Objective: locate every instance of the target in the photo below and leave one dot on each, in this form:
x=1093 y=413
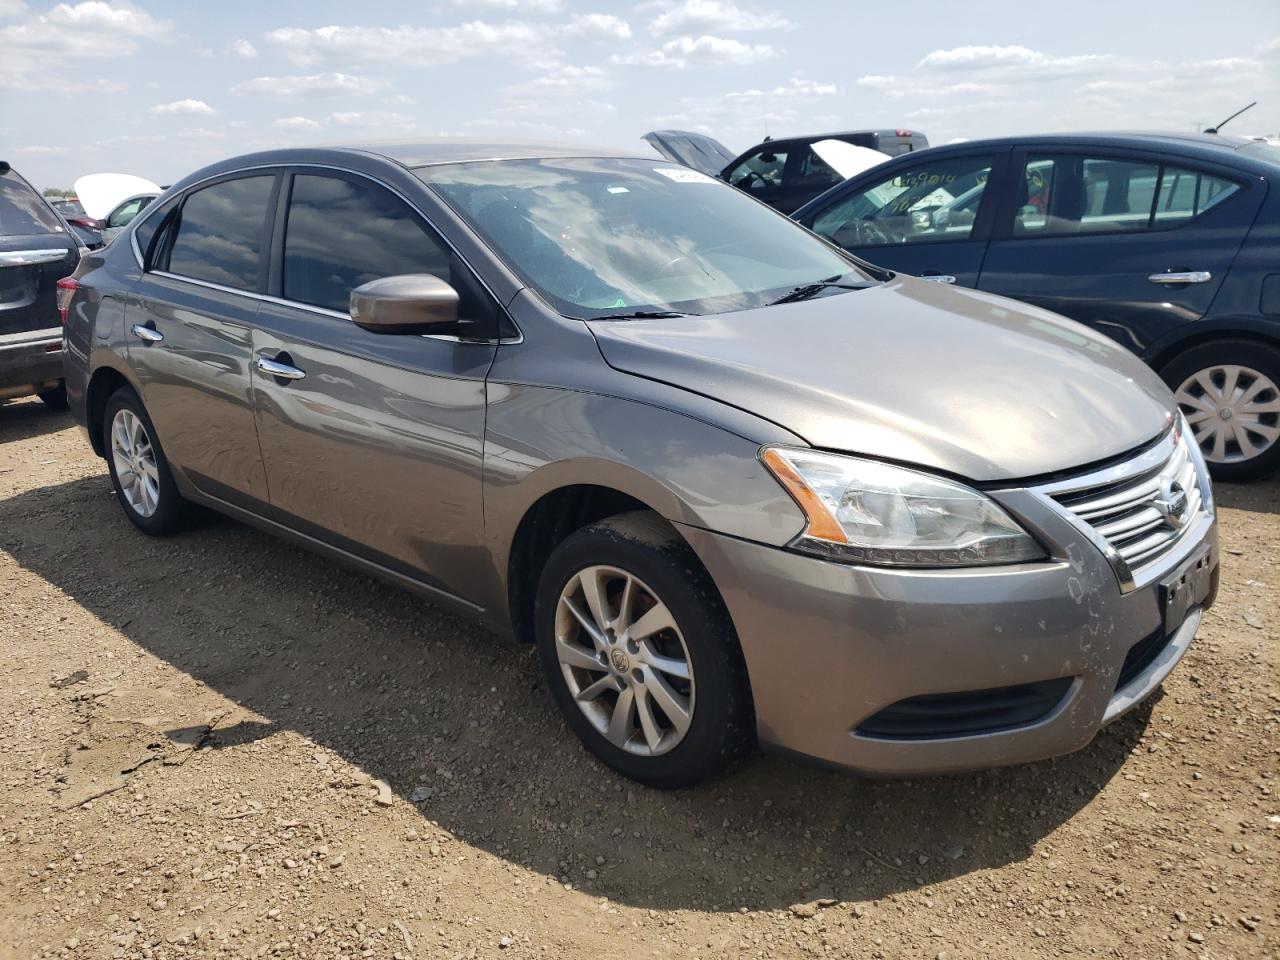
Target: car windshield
x=605 y=237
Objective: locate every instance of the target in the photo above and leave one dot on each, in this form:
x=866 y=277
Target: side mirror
x=410 y=303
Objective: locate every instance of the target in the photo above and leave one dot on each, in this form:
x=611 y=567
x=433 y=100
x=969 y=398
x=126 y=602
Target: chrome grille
x=1139 y=509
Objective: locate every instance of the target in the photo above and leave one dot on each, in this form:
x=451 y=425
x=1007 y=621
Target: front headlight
x=870 y=512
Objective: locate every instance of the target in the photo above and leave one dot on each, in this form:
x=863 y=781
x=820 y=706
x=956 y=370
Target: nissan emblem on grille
x=1172 y=502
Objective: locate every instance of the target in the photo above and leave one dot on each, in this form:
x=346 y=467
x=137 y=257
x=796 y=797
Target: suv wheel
x=56 y=398
x=640 y=653
x=1230 y=394
x=139 y=471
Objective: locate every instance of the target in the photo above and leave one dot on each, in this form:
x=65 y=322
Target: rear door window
x=928 y=203
x=1068 y=193
x=342 y=233
x=22 y=210
x=220 y=233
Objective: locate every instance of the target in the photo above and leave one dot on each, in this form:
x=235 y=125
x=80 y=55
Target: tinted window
x=22 y=210
x=145 y=232
x=220 y=231
x=761 y=170
x=815 y=173
x=1186 y=193
x=602 y=236
x=1074 y=194
x=342 y=233
x=924 y=204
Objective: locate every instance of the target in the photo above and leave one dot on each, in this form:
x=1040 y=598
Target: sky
x=162 y=89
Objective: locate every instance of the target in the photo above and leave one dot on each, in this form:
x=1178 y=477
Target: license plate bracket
x=1187 y=587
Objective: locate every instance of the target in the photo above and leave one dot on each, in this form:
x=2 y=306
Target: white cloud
x=183 y=107
x=243 y=49
x=699 y=52
x=12 y=8
x=90 y=29
x=562 y=77
x=512 y=6
x=390 y=119
x=201 y=133
x=40 y=150
x=796 y=88
x=313 y=85
x=1014 y=59
x=416 y=46
x=597 y=26
x=745 y=116
x=297 y=123
x=721 y=16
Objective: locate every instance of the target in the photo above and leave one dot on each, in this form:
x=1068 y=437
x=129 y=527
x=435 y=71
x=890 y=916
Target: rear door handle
x=146 y=334
x=938 y=277
x=1184 y=276
x=273 y=368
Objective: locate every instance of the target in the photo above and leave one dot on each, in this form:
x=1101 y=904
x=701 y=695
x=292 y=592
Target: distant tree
x=58 y=192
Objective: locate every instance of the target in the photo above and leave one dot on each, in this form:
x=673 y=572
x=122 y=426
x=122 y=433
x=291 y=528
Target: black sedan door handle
x=146 y=334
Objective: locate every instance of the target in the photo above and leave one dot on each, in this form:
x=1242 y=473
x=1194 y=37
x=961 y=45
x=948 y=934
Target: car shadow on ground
x=430 y=703
x=1261 y=497
x=29 y=418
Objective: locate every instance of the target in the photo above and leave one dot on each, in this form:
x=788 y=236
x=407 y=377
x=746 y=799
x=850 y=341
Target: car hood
x=100 y=193
x=909 y=370
x=694 y=150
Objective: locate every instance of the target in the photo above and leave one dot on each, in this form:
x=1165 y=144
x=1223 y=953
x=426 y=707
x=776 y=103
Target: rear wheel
x=56 y=398
x=139 y=471
x=640 y=653
x=1229 y=392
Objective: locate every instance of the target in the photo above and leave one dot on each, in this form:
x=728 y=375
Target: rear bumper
x=30 y=362
x=831 y=647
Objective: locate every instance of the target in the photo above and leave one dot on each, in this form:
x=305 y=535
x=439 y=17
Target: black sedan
x=1168 y=243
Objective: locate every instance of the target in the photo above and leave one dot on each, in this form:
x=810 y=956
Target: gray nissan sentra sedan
x=736 y=485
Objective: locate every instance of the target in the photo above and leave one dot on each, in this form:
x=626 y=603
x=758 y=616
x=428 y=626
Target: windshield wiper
x=643 y=315
x=810 y=290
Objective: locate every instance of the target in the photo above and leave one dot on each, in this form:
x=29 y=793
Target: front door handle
x=1183 y=276
x=146 y=334
x=938 y=277
x=283 y=371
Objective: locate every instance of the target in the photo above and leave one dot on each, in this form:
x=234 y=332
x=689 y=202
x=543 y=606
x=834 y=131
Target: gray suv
x=735 y=484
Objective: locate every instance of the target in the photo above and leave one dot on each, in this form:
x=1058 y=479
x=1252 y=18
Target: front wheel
x=1229 y=391
x=640 y=653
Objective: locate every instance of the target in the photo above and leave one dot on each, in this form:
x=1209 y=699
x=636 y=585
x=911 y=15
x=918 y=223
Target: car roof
x=413 y=154
x=1207 y=146
x=429 y=152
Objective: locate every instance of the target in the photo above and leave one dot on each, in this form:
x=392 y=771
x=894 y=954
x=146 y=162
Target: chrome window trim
x=279 y=167
x=321 y=311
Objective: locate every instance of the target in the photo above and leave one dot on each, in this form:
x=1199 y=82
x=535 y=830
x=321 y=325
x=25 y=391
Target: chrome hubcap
x=135 y=463
x=1233 y=410
x=624 y=660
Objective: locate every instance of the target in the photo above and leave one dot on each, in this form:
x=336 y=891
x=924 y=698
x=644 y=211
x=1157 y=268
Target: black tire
x=55 y=399
x=1255 y=355
x=172 y=513
x=722 y=726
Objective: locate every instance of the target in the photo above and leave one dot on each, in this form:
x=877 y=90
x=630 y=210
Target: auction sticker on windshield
x=683 y=175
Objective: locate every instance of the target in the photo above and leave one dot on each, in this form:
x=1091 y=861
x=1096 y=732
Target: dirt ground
x=219 y=745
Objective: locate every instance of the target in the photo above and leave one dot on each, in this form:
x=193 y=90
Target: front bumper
x=30 y=362
x=830 y=645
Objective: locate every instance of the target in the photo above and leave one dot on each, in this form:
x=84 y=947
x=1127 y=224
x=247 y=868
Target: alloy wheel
x=135 y=463
x=624 y=660
x=1233 y=410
